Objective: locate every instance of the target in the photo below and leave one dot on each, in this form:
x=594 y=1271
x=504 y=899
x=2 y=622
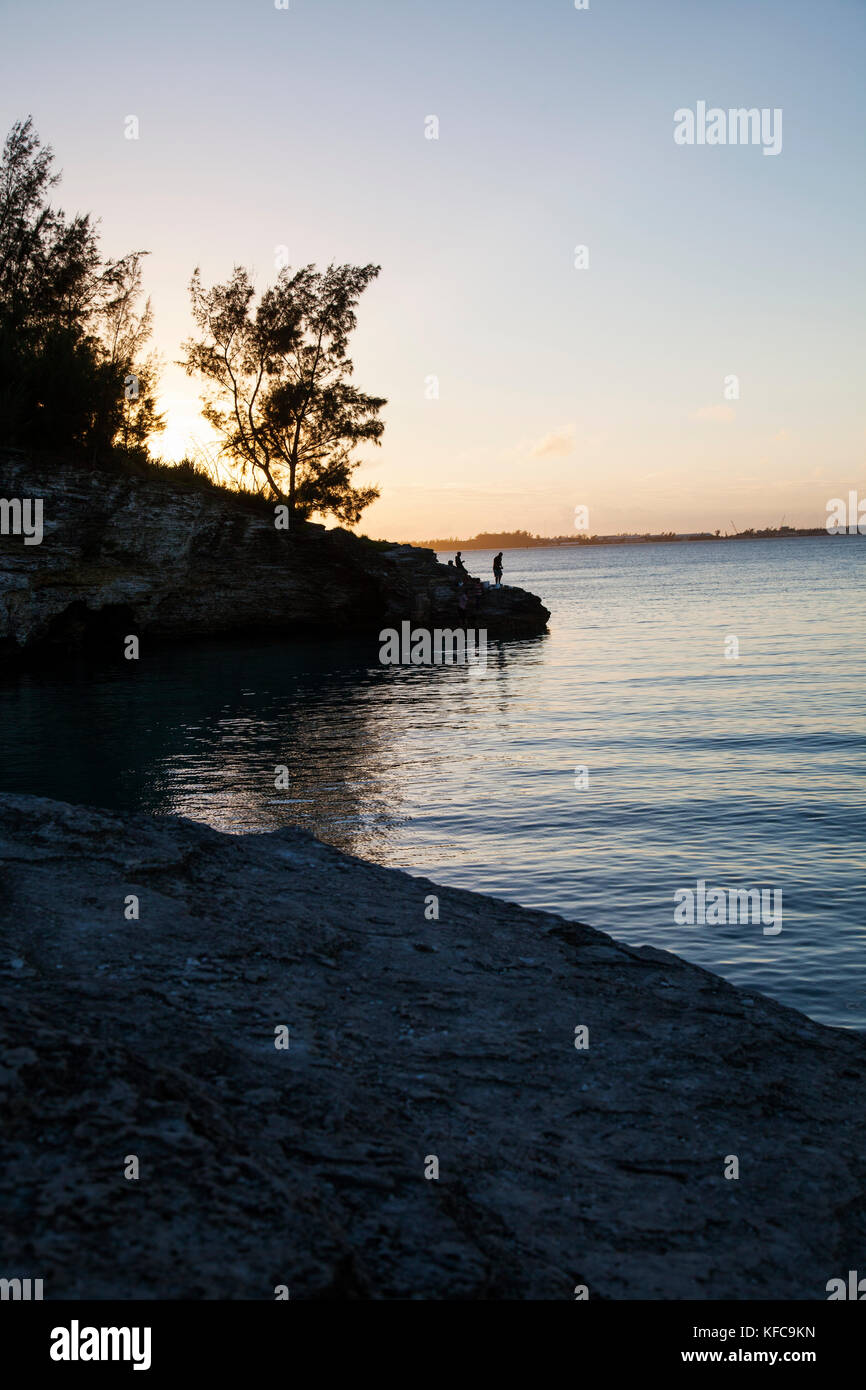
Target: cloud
x=555 y=445
x=721 y=414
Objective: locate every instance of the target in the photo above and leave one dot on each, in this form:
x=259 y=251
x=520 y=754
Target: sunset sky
x=558 y=387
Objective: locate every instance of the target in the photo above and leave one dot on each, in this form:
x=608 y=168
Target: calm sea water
x=744 y=773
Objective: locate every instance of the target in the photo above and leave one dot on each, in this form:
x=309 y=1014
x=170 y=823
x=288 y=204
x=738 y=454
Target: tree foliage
x=277 y=384
x=71 y=336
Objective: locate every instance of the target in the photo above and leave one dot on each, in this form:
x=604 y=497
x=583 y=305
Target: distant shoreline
x=518 y=541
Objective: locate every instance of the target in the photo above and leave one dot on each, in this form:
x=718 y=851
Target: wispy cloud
x=556 y=445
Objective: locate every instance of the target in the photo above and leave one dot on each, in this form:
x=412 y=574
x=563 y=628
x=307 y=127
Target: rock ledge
x=121 y=554
x=408 y=1038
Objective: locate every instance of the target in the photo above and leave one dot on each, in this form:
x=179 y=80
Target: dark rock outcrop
x=123 y=554
x=409 y=1039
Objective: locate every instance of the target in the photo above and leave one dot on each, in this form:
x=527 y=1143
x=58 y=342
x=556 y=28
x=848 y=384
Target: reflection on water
x=738 y=772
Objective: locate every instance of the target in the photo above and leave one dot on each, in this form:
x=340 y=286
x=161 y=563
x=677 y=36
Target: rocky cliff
x=410 y=1038
x=121 y=554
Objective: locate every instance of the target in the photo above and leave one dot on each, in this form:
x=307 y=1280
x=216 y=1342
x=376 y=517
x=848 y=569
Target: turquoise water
x=743 y=773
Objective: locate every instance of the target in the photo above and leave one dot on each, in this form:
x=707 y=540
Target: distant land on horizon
x=523 y=540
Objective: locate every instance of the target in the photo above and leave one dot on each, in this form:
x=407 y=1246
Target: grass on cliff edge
x=186 y=476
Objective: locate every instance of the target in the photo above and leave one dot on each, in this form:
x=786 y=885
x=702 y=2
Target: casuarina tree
x=278 y=386
x=70 y=334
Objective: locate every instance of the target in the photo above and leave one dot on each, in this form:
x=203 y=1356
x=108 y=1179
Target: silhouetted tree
x=129 y=415
x=277 y=383
x=69 y=335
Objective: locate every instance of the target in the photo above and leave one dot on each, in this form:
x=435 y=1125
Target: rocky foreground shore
x=409 y=1039
x=121 y=554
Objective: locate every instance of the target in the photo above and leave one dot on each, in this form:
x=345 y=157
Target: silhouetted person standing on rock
x=497 y=569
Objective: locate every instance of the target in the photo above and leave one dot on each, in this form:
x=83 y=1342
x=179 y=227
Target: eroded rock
x=121 y=554
x=408 y=1038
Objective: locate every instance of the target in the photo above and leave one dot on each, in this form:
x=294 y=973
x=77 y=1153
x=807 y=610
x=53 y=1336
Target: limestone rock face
x=123 y=554
x=409 y=1039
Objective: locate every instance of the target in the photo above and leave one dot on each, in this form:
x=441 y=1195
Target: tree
x=129 y=414
x=69 y=334
x=48 y=266
x=277 y=386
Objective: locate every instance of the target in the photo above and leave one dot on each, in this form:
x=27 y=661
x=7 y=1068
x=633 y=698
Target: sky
x=561 y=384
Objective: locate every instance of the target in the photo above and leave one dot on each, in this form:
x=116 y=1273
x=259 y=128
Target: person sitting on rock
x=459 y=563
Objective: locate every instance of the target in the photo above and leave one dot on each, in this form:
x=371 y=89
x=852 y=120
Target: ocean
x=695 y=715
